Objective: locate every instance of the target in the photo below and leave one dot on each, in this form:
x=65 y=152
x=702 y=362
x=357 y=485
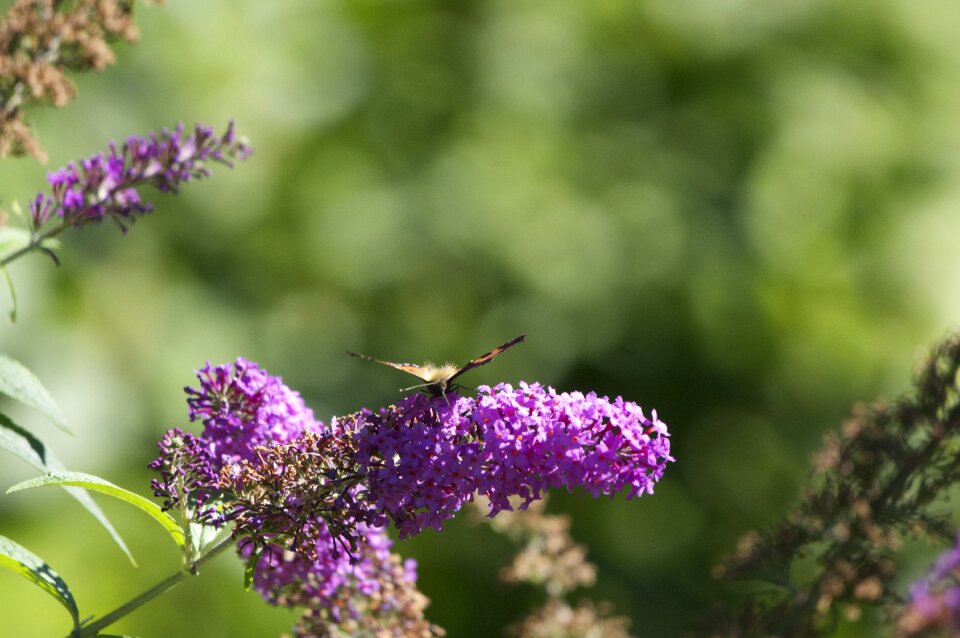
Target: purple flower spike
x=104 y=186
x=242 y=408
x=425 y=457
x=421 y=458
x=537 y=438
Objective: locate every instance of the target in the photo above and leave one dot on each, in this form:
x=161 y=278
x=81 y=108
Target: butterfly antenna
x=419 y=385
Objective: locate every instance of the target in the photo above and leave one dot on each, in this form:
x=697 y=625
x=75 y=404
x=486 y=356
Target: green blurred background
x=742 y=213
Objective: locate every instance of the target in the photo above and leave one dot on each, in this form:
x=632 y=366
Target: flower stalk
x=105 y=185
x=165 y=585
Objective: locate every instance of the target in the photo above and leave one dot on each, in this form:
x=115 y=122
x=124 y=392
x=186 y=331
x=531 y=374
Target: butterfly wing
x=409 y=368
x=484 y=358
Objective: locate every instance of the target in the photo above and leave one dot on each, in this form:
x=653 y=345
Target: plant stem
x=163 y=586
x=35 y=242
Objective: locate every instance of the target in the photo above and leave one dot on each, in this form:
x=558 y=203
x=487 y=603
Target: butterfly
x=437 y=380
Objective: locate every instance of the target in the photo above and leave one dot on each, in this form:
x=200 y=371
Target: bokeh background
x=742 y=213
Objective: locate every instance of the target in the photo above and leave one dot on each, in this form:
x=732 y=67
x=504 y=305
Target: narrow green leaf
x=13 y=238
x=22 y=385
x=19 y=559
x=97 y=484
x=22 y=443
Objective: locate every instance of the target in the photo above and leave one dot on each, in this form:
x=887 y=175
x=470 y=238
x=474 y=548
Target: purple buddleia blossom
x=934 y=601
x=105 y=185
x=420 y=457
x=310 y=500
x=425 y=456
x=537 y=438
x=257 y=427
x=324 y=578
x=299 y=495
x=188 y=480
x=373 y=590
x=242 y=408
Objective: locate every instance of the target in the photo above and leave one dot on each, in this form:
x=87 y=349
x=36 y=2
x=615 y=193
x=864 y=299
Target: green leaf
x=22 y=385
x=19 y=559
x=22 y=443
x=97 y=484
x=12 y=238
x=202 y=536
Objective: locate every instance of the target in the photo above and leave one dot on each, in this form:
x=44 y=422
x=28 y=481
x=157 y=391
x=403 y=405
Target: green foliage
x=25 y=445
x=22 y=561
x=13 y=238
x=97 y=484
x=18 y=383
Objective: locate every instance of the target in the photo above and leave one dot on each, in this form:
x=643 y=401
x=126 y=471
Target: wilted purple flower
x=425 y=456
x=371 y=591
x=242 y=408
x=934 y=601
x=105 y=185
x=187 y=477
x=298 y=495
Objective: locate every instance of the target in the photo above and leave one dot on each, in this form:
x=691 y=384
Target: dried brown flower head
x=548 y=556
x=551 y=560
x=873 y=484
x=40 y=40
x=557 y=619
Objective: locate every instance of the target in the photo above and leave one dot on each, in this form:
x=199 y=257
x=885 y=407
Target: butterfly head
x=436 y=379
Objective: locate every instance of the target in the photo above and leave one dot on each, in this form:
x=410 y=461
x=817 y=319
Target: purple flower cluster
x=934 y=601
x=242 y=408
x=424 y=457
x=537 y=438
x=105 y=185
x=331 y=576
x=254 y=425
x=299 y=493
x=372 y=592
x=187 y=477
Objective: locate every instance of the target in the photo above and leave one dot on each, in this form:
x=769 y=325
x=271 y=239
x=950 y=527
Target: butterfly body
x=438 y=380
